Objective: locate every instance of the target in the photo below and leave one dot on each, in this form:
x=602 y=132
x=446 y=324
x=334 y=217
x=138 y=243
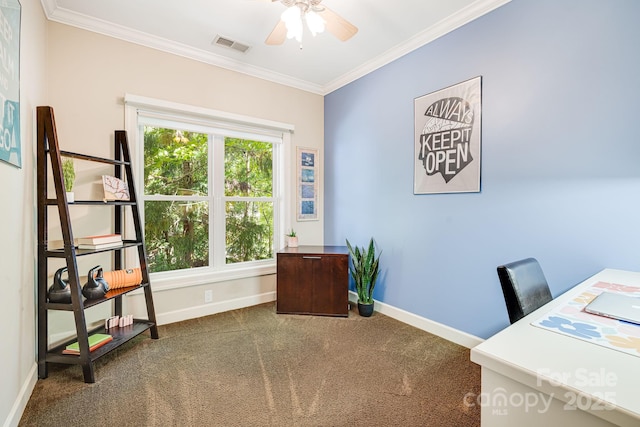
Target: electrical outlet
x=208 y=295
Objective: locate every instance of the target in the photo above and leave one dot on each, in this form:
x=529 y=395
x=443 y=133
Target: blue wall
x=560 y=159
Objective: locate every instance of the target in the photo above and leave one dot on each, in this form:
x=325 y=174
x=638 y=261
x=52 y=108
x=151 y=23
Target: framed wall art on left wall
x=10 y=144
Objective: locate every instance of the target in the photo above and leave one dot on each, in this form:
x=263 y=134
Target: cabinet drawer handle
x=312 y=257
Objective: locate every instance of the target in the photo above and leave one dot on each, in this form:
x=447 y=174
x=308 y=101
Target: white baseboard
x=213 y=308
x=13 y=418
x=454 y=335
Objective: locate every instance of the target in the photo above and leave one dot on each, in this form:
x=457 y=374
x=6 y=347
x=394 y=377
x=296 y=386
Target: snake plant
x=365 y=267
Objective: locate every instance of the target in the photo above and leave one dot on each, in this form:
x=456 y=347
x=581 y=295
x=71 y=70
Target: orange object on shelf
x=123 y=278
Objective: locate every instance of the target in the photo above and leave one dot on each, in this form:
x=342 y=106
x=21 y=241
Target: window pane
x=176 y=235
x=249 y=231
x=175 y=162
x=248 y=168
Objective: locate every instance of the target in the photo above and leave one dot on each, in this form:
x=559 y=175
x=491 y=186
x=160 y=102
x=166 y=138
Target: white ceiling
x=388 y=29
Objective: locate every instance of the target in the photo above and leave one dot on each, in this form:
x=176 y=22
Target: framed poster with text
x=447 y=137
x=307 y=191
x=10 y=146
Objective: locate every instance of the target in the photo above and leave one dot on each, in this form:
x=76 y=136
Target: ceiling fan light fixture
x=318 y=18
x=292 y=19
x=315 y=23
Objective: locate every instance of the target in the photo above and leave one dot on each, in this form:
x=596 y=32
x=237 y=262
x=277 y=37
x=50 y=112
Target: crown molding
x=457 y=20
x=445 y=26
x=49 y=6
x=85 y=22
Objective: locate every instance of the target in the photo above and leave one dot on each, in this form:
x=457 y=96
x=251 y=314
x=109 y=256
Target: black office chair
x=524 y=287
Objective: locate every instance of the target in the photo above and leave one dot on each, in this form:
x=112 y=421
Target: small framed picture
x=114 y=188
x=307 y=184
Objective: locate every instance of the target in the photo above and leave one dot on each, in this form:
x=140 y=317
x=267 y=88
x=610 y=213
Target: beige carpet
x=253 y=367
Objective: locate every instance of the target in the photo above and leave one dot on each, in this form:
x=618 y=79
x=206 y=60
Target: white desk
x=536 y=377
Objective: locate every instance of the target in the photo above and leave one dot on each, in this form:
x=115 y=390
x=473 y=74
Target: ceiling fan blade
x=337 y=25
x=278 y=35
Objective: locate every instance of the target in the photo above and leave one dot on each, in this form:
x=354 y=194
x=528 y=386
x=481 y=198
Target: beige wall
x=84 y=76
x=18 y=232
x=88 y=76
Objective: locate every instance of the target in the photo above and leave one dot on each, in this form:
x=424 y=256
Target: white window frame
x=138 y=105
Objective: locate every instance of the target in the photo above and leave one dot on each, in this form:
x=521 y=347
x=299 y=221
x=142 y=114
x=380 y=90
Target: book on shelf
x=100 y=246
x=95 y=341
x=100 y=239
x=58 y=244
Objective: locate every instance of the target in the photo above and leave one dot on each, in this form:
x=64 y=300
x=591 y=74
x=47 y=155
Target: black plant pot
x=365 y=310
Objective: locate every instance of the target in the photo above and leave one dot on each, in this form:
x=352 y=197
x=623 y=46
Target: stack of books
x=95 y=341
x=104 y=241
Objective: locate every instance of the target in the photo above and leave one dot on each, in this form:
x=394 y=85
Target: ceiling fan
x=317 y=18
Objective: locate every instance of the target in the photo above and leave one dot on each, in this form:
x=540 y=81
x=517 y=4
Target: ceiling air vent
x=231 y=44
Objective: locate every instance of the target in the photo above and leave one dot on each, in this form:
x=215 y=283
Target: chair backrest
x=524 y=287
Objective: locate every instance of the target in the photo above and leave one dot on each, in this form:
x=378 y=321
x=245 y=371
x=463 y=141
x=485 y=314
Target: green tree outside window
x=176 y=170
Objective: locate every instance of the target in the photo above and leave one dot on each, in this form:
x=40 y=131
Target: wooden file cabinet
x=313 y=280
